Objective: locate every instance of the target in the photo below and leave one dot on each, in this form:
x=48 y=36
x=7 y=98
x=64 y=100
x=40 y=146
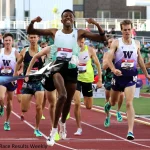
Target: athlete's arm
x=19 y=61
x=140 y=59
x=110 y=57
x=97 y=63
x=94 y=37
x=31 y=30
x=105 y=63
x=44 y=51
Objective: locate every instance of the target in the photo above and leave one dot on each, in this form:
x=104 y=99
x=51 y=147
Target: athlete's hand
x=117 y=72
x=99 y=84
x=37 y=19
x=91 y=21
x=27 y=78
x=148 y=77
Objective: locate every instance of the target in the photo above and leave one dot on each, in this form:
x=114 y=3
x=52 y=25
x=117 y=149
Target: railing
x=140 y=24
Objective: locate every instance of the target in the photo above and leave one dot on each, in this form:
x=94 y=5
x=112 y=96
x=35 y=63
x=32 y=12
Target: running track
x=95 y=136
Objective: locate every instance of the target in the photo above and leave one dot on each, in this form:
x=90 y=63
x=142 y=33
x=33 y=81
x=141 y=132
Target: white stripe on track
x=26 y=122
x=109 y=133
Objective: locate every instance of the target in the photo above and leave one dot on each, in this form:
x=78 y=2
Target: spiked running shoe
x=130 y=136
x=79 y=131
x=37 y=133
x=107 y=122
x=119 y=117
x=6 y=126
x=51 y=139
x=62 y=131
x=43 y=117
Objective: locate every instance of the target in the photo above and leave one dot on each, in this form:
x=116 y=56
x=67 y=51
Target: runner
x=8 y=56
x=85 y=80
x=107 y=85
x=127 y=54
x=33 y=86
x=64 y=77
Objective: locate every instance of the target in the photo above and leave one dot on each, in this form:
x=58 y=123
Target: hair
x=126 y=22
x=67 y=10
x=8 y=34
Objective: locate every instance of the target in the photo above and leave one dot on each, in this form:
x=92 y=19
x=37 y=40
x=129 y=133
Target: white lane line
x=113 y=134
x=109 y=133
x=26 y=122
x=107 y=140
x=19 y=139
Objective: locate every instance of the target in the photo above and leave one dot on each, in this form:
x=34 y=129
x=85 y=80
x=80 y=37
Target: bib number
x=82 y=68
x=127 y=64
x=64 y=54
x=6 y=70
x=33 y=70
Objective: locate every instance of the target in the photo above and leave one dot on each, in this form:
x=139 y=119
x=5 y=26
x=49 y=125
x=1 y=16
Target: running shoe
x=119 y=117
x=79 y=131
x=130 y=136
x=107 y=122
x=37 y=133
x=107 y=107
x=1 y=111
x=6 y=126
x=51 y=139
x=43 y=117
x=62 y=132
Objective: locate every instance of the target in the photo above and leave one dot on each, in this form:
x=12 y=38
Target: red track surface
x=95 y=136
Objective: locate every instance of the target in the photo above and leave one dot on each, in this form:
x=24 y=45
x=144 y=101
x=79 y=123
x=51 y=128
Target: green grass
x=141 y=105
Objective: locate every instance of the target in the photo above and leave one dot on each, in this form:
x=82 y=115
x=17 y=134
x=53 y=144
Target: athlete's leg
x=9 y=104
x=62 y=96
x=88 y=102
x=70 y=88
x=43 y=104
x=25 y=102
x=129 y=94
x=120 y=101
x=77 y=111
x=39 y=95
x=51 y=96
x=2 y=97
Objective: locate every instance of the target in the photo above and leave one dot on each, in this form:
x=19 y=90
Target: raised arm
x=32 y=30
x=43 y=52
x=92 y=36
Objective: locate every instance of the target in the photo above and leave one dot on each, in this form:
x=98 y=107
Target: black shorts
x=86 y=88
x=69 y=75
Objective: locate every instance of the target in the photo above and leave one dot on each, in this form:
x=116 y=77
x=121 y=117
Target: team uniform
x=86 y=74
x=126 y=61
x=7 y=66
x=65 y=52
x=34 y=84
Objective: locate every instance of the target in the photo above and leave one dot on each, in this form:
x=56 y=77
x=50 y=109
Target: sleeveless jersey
x=126 y=58
x=38 y=65
x=86 y=73
x=67 y=48
x=7 y=63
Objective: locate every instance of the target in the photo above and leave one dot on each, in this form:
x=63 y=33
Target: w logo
x=6 y=62
x=127 y=54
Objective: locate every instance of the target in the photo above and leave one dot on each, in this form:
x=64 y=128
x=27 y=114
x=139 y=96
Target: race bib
x=6 y=70
x=33 y=70
x=82 y=68
x=127 y=64
x=64 y=54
